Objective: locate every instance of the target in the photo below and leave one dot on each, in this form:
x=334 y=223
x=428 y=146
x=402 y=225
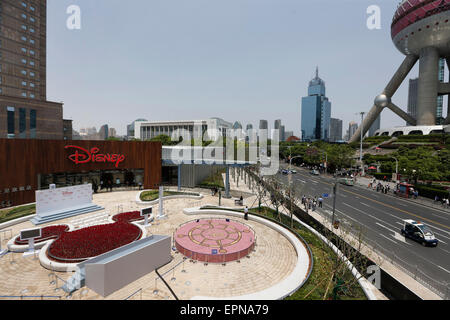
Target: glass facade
x=22 y=123
x=33 y=124
x=316 y=112
x=10 y=121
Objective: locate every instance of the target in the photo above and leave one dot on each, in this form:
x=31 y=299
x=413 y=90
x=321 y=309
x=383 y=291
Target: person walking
x=320 y=202
x=246 y=213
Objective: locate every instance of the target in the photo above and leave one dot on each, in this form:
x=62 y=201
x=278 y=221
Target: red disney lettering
x=82 y=155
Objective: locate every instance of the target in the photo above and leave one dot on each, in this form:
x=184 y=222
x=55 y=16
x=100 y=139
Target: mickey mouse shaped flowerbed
x=63 y=247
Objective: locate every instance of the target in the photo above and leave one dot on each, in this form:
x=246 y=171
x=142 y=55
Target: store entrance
x=101 y=180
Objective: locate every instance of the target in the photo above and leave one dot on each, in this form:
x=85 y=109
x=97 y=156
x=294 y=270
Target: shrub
x=47 y=233
x=431 y=192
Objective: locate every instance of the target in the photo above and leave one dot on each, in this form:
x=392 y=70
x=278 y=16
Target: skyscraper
x=316 y=111
x=277 y=126
x=335 y=130
x=352 y=127
x=24 y=109
x=375 y=126
x=412 y=98
x=263 y=125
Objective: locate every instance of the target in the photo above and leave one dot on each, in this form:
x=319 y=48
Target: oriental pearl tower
x=421 y=31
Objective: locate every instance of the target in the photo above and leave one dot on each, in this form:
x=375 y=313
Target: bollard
x=156 y=287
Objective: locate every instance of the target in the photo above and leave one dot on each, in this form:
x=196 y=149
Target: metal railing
x=442 y=289
x=42 y=297
x=134 y=294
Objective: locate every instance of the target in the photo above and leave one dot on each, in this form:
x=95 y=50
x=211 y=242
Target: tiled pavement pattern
x=273 y=260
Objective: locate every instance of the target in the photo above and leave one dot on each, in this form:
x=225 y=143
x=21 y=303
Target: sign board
x=60 y=199
x=146 y=211
x=30 y=234
x=326 y=195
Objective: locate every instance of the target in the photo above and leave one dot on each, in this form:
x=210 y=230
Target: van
x=419 y=232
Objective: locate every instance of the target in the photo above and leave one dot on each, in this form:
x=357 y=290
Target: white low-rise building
x=214 y=128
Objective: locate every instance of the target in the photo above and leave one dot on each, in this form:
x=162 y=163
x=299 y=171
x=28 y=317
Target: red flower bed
x=128 y=216
x=79 y=245
x=47 y=233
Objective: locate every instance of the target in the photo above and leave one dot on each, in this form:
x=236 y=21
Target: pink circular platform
x=214 y=240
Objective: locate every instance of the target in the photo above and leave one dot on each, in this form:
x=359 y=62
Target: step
x=75 y=282
x=65 y=214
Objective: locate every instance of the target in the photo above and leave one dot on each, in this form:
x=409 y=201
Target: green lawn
x=14 y=213
x=151 y=195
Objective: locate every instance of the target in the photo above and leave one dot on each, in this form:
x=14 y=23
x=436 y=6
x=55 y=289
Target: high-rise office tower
x=375 y=126
x=412 y=98
x=316 y=111
x=335 y=130
x=24 y=109
x=263 y=125
x=352 y=127
x=277 y=126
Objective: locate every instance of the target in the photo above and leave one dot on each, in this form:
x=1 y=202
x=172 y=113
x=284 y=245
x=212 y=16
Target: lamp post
x=289 y=179
x=396 y=168
x=361 y=145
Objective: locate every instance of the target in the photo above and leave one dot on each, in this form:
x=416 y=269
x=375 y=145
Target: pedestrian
x=320 y=202
x=448 y=203
x=246 y=213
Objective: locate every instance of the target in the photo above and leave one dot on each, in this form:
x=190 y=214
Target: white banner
x=60 y=199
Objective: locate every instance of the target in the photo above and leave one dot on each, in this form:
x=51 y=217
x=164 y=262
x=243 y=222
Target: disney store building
x=27 y=165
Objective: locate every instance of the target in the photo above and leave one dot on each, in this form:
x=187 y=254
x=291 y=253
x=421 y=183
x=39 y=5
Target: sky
x=240 y=60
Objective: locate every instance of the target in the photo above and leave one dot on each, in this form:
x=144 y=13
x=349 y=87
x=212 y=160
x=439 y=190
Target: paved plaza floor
x=272 y=261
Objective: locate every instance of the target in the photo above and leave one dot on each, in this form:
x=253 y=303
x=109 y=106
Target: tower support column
x=427 y=86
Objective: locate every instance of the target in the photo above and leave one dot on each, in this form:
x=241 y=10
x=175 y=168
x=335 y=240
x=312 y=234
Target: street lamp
x=289 y=179
x=396 y=168
x=361 y=148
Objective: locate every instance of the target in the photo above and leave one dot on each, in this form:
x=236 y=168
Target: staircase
x=75 y=282
x=59 y=215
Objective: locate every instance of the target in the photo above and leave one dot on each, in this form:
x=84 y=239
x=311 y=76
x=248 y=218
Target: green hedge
x=429 y=192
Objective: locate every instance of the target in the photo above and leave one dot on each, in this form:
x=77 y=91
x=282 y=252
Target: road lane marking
x=365 y=205
x=389 y=206
x=367 y=214
x=398 y=209
x=445 y=250
x=388 y=238
x=439 y=216
x=443 y=269
x=385 y=227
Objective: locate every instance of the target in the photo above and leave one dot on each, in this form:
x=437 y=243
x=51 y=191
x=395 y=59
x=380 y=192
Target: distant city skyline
x=240 y=60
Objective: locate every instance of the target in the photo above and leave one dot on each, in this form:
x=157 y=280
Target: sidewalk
x=364 y=182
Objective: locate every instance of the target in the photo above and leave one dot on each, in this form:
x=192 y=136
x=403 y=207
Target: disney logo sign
x=82 y=155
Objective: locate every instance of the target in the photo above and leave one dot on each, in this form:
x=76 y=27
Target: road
x=380 y=217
